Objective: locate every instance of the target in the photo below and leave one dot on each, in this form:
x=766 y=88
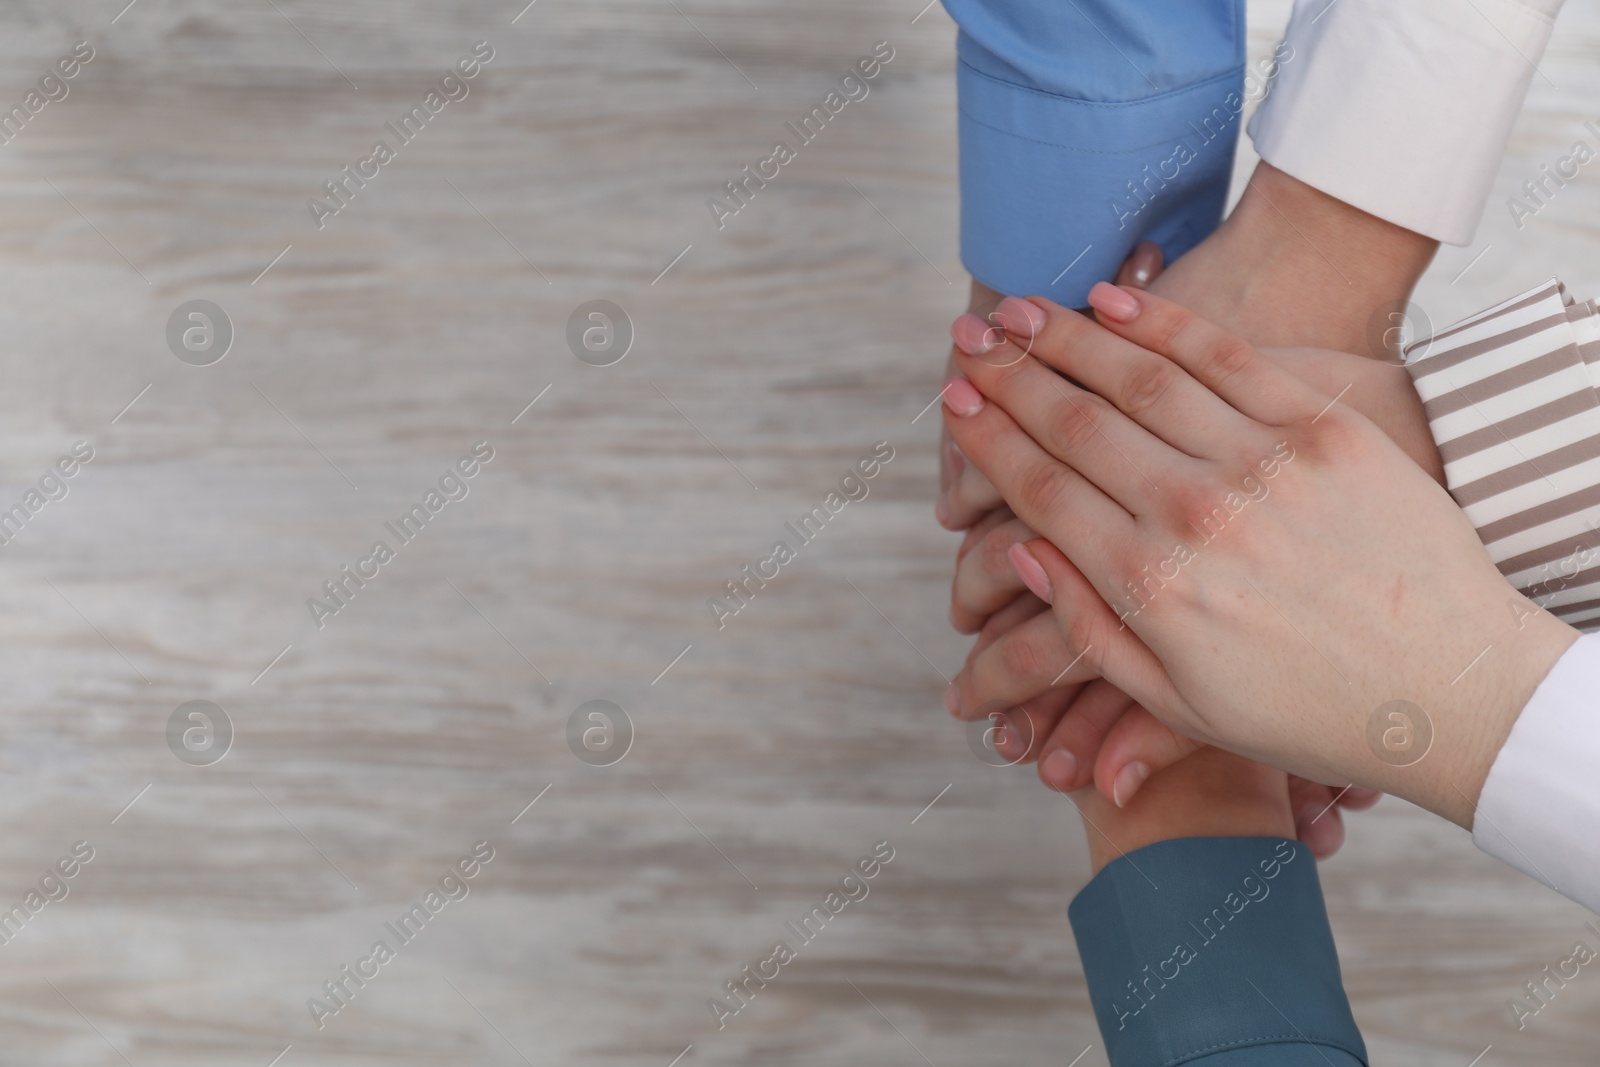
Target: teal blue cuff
x=1215 y=950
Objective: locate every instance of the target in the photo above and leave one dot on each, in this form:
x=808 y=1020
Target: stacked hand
x=1080 y=731
x=1206 y=503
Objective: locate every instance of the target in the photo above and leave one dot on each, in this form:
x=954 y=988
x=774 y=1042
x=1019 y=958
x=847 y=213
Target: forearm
x=1294 y=266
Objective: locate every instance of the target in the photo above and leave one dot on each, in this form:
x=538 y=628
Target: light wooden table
x=431 y=710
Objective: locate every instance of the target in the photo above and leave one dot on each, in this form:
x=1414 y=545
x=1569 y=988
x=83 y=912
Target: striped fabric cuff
x=1512 y=396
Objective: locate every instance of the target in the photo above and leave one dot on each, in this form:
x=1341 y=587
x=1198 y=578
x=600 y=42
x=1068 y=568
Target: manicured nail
x=1114 y=303
x=1060 y=770
x=1020 y=317
x=974 y=336
x=952 y=698
x=1128 y=781
x=1143 y=263
x=1032 y=575
x=961 y=398
x=941 y=510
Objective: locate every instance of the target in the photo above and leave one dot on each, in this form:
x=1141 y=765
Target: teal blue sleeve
x=1215 y=951
x=1090 y=125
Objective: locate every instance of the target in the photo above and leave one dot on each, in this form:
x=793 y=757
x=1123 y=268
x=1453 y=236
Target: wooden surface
x=431 y=710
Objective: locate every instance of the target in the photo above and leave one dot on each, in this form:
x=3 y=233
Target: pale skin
x=1352 y=581
x=1273 y=272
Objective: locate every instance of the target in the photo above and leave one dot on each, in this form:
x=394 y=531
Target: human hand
x=1415 y=600
x=1211 y=793
x=1017 y=665
x=965 y=495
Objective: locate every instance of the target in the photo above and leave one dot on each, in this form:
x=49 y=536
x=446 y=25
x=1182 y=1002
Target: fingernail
x=961 y=398
x=1117 y=304
x=1020 y=317
x=974 y=336
x=941 y=510
x=952 y=698
x=1060 y=770
x=1144 y=260
x=1032 y=575
x=1128 y=781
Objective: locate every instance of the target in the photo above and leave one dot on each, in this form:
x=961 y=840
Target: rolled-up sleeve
x=1087 y=126
x=1403 y=109
x=1214 y=951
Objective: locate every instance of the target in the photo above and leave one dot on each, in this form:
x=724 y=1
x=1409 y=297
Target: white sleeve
x=1403 y=108
x=1540 y=807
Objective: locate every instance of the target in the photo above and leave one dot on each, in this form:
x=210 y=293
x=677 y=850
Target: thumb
x=1138 y=746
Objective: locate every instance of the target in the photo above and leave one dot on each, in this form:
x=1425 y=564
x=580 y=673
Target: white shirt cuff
x=1540 y=808
x=1403 y=109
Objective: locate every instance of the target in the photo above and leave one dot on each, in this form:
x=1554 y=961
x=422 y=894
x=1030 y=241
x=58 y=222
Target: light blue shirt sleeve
x=1088 y=126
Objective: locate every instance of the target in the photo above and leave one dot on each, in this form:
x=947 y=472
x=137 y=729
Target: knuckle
x=1082 y=631
x=1198 y=507
x=1147 y=385
x=1076 y=421
x=995 y=555
x=1174 y=331
x=1021 y=657
x=1042 y=487
x=1225 y=357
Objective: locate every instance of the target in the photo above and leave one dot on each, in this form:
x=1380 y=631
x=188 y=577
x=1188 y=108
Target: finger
x=1222 y=362
x=1113 y=651
x=1049 y=496
x=1005 y=620
x=1026 y=728
x=1019 y=664
x=1317 y=821
x=1068 y=757
x=1149 y=388
x=976 y=532
x=1143 y=265
x=1084 y=430
x=970 y=497
x=1359 y=799
x=985 y=580
x=1138 y=746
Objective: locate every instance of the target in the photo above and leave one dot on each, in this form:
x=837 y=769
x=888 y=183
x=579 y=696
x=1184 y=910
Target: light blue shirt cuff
x=1056 y=190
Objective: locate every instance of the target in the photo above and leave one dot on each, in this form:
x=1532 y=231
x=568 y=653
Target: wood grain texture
x=433 y=708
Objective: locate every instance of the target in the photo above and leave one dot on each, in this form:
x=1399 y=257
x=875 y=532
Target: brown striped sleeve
x=1511 y=397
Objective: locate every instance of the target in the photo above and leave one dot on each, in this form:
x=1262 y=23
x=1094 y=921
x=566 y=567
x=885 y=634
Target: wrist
x=1481 y=708
x=1211 y=793
x=1299 y=267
